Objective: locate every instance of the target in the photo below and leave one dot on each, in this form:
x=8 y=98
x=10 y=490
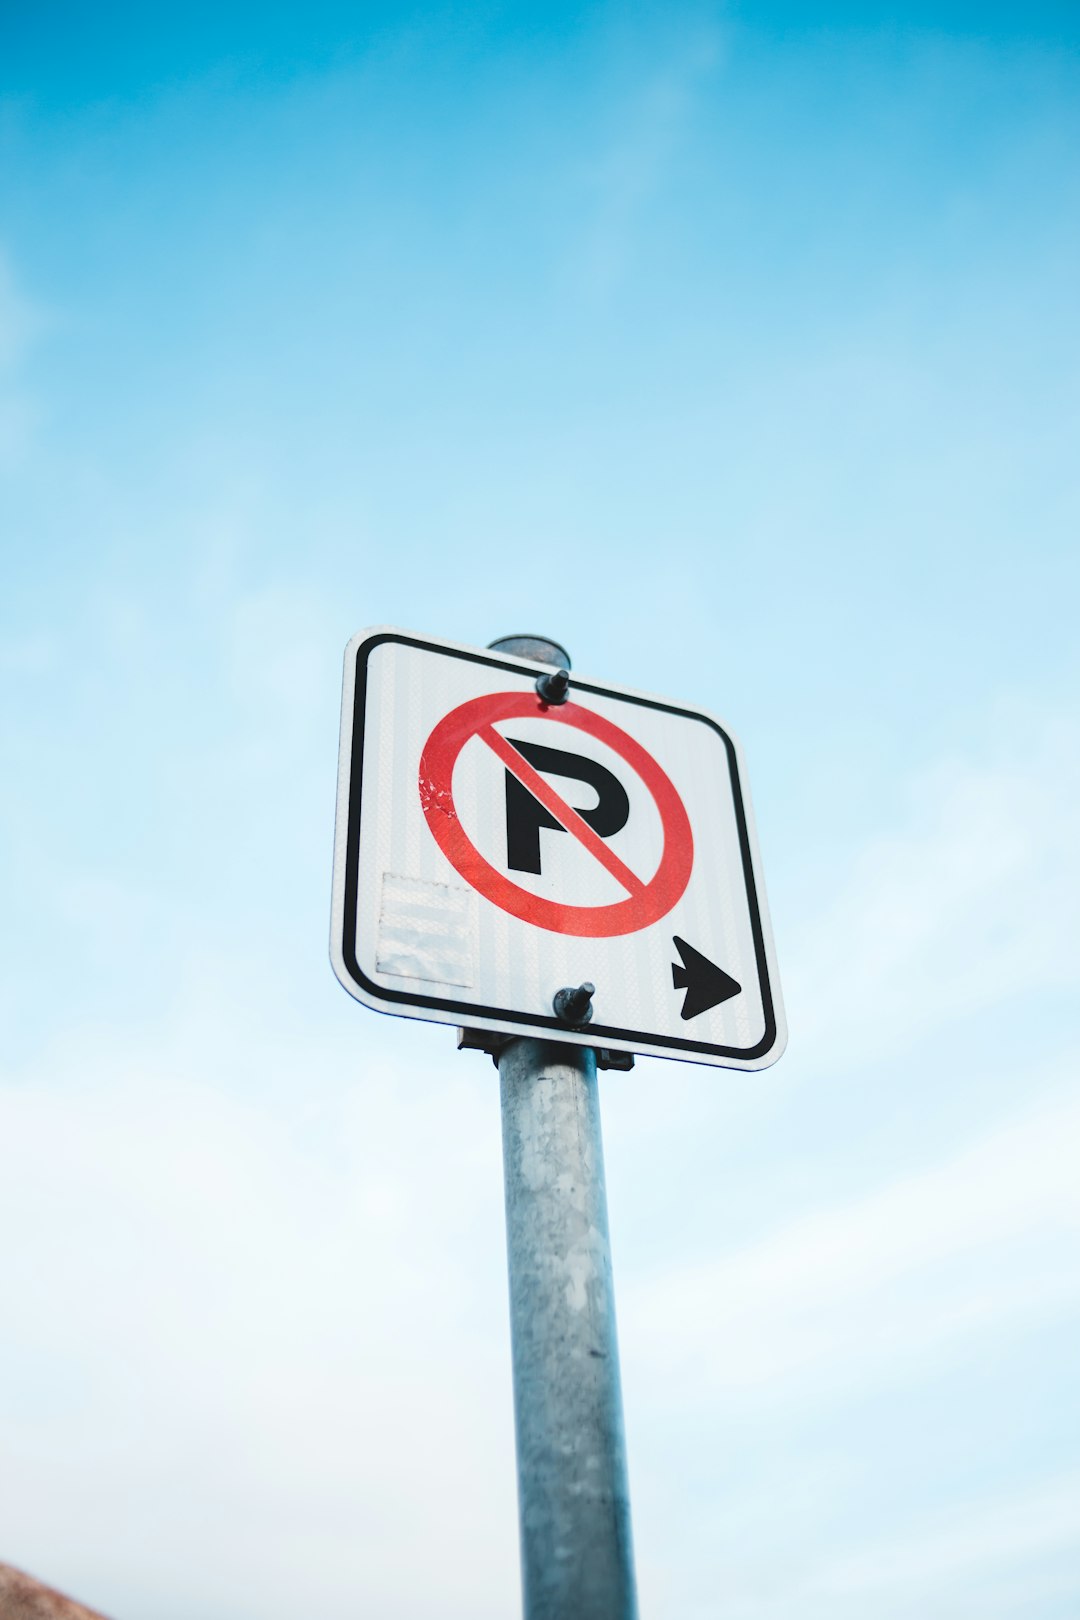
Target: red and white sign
x=492 y=849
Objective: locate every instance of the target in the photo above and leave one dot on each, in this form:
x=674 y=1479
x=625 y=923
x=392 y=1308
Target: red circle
x=436 y=796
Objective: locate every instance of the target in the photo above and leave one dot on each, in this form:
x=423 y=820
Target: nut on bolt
x=575 y=1006
x=553 y=688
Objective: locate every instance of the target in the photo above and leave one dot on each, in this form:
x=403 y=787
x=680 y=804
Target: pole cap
x=541 y=649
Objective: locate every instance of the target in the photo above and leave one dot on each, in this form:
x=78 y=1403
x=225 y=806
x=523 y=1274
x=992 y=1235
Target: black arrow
x=705 y=984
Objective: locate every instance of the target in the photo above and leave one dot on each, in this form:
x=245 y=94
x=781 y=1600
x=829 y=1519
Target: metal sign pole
x=573 y=1495
x=435 y=916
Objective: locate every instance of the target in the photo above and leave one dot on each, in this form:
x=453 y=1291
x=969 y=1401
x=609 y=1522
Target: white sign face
x=492 y=849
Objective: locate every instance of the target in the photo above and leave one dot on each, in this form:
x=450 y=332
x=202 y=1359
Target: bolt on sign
x=493 y=847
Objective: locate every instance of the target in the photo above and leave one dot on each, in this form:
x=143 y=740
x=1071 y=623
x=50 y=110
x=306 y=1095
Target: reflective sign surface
x=492 y=848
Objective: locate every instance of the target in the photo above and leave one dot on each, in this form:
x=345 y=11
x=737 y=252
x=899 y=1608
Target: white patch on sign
x=426 y=931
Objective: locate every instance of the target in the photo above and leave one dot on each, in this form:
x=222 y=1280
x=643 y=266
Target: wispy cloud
x=970 y=1553
x=632 y=164
x=244 y=1325
x=969 y=901
x=21 y=322
x=853 y=1294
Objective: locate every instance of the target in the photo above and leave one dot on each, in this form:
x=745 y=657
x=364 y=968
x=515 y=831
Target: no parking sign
x=492 y=848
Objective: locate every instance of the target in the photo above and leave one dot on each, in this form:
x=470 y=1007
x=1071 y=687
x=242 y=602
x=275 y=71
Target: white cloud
x=261 y=1307
x=20 y=324
x=850 y=1296
x=20 y=320
x=652 y=124
x=966 y=1555
x=969 y=904
x=258 y=1360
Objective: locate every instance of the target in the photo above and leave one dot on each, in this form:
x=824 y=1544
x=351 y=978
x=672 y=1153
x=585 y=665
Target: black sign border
x=599 y=1034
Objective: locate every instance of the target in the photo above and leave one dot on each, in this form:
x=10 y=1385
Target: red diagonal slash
x=563 y=812
x=643 y=904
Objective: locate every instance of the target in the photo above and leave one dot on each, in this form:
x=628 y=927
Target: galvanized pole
x=573 y=1496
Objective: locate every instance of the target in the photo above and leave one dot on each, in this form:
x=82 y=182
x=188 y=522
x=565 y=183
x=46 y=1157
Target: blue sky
x=740 y=354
